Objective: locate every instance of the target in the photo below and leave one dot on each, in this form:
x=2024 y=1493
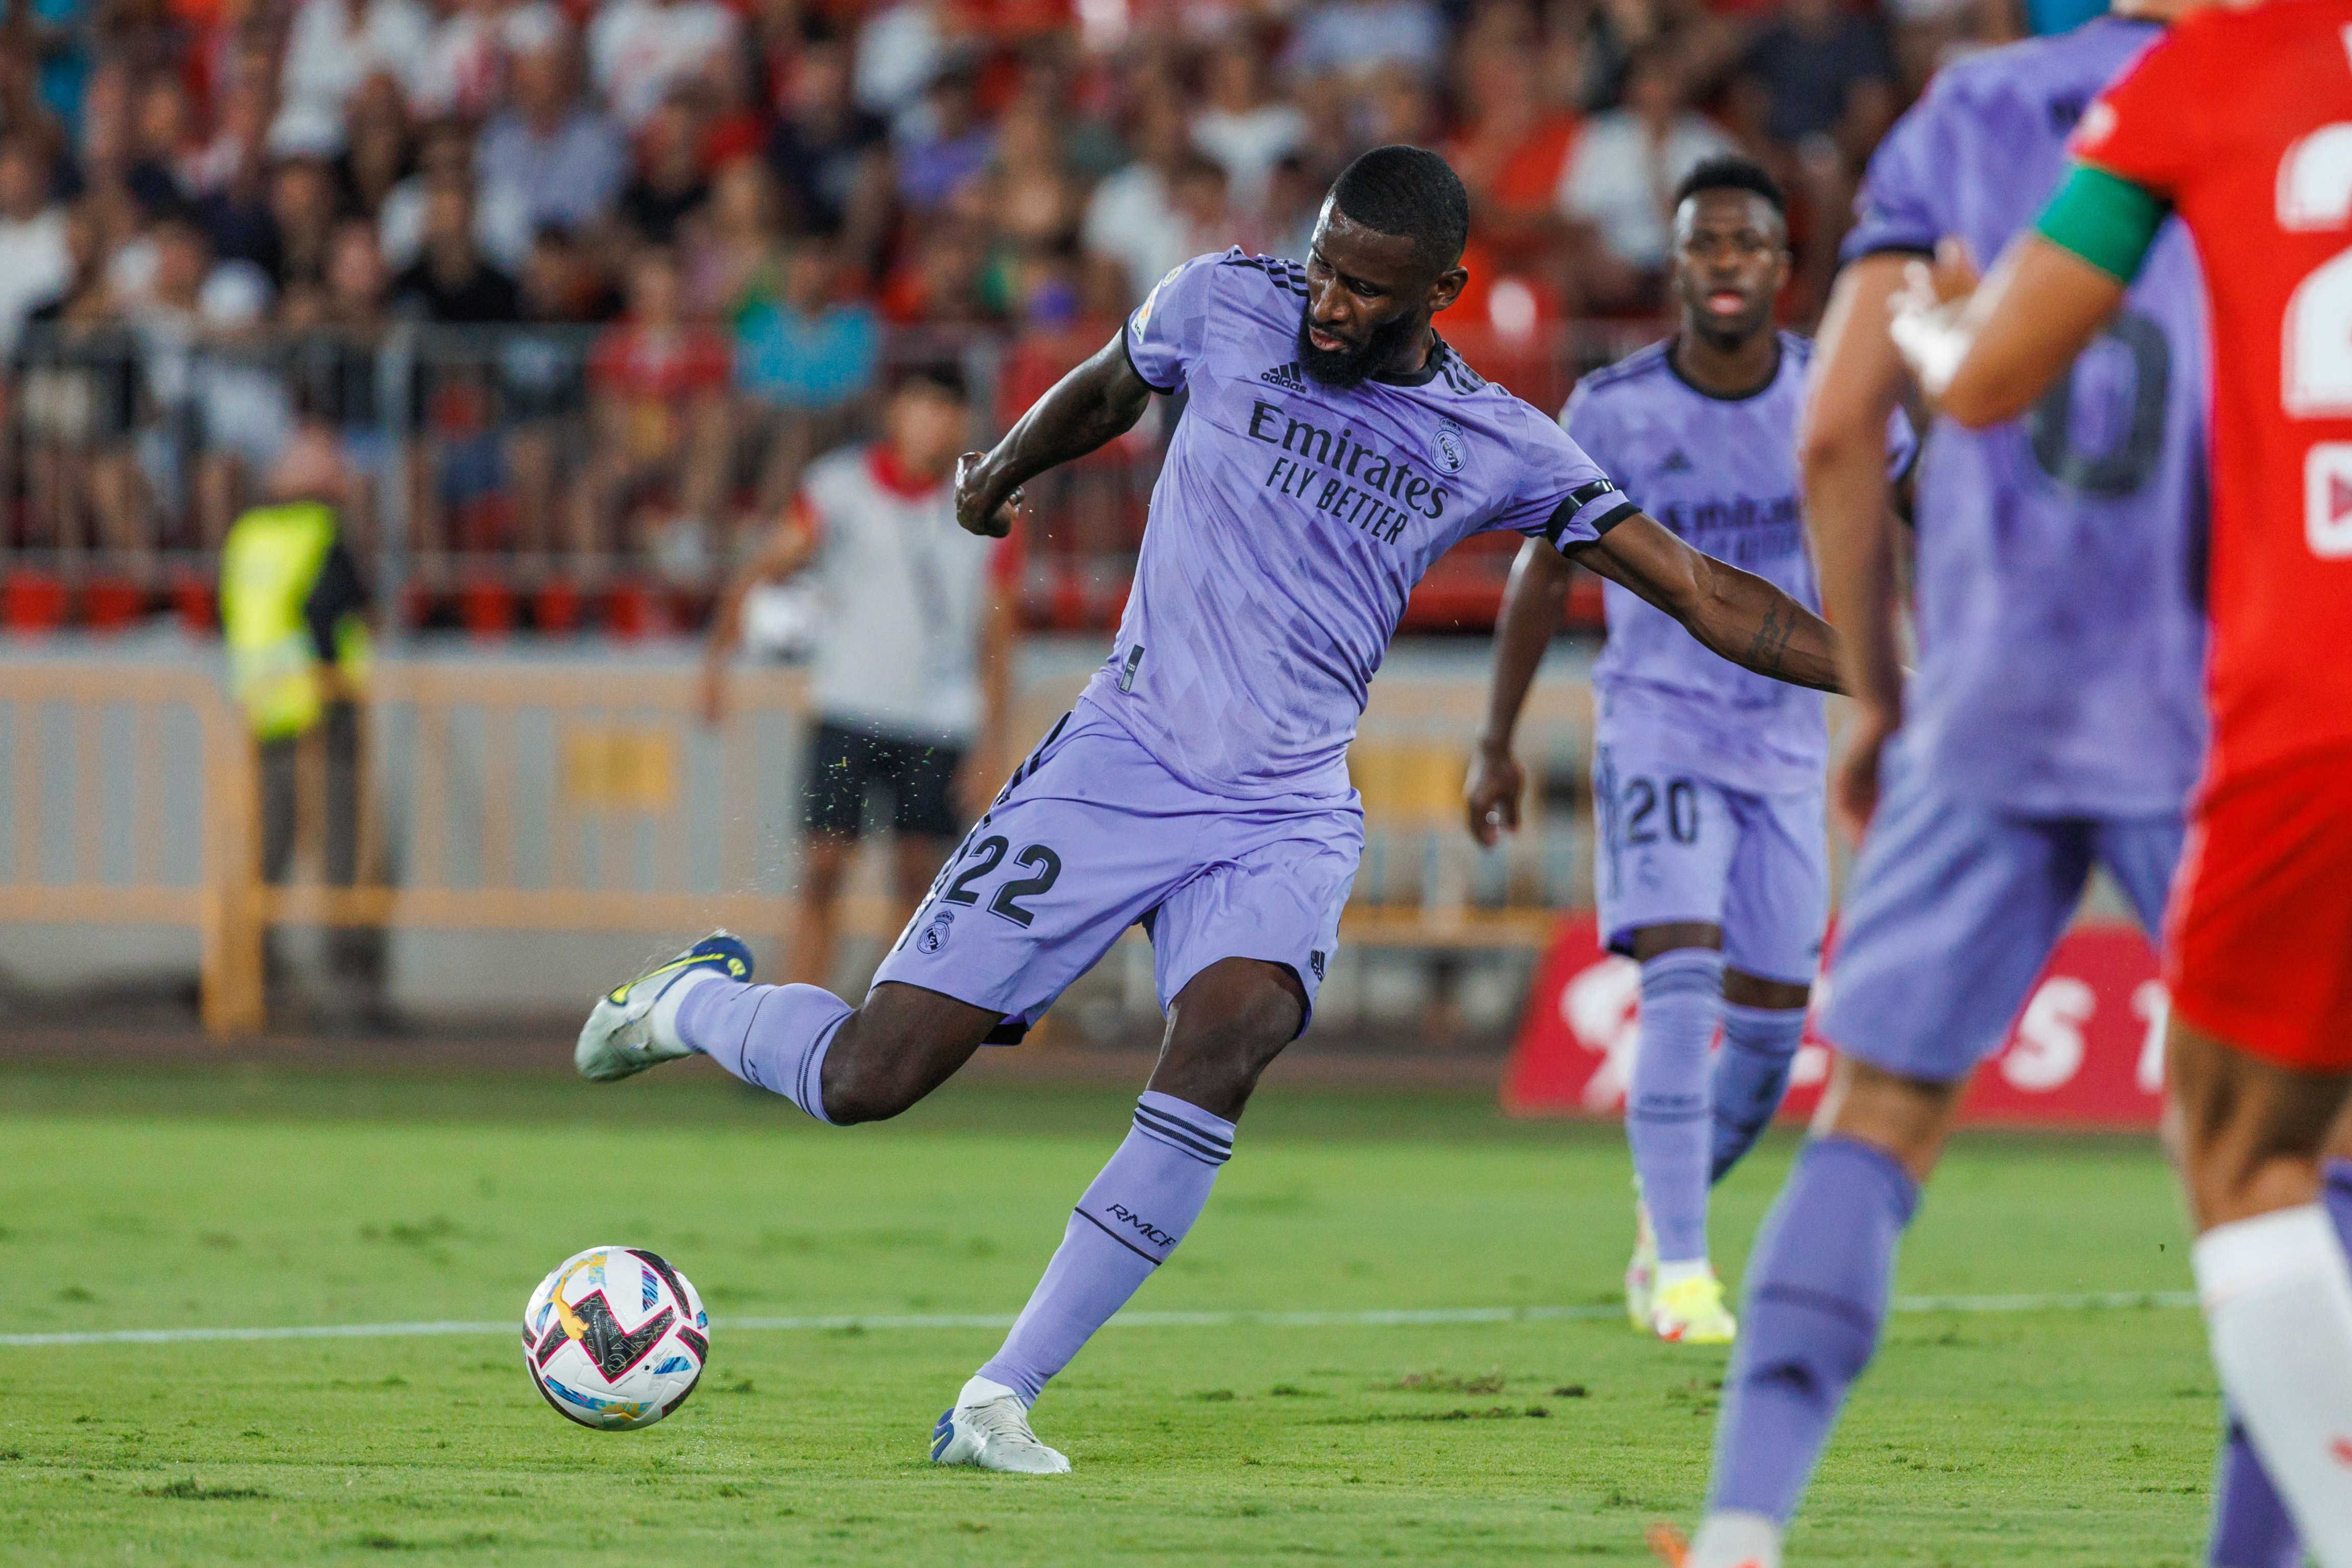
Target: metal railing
x=509 y=478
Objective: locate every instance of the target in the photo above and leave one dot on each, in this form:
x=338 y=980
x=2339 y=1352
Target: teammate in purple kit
x=1332 y=446
x=2053 y=722
x=1713 y=864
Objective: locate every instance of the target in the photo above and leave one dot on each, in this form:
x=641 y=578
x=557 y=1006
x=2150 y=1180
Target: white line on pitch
x=2105 y=1301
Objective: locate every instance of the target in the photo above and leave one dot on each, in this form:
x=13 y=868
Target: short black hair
x=1409 y=191
x=944 y=377
x=1729 y=171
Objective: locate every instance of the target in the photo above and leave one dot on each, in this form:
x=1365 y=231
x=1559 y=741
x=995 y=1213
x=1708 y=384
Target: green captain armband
x=2104 y=219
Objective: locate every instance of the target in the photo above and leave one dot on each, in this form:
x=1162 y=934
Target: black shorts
x=847 y=763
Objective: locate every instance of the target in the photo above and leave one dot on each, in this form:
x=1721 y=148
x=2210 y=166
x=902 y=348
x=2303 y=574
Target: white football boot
x=1642 y=1271
x=629 y=1030
x=988 y=1428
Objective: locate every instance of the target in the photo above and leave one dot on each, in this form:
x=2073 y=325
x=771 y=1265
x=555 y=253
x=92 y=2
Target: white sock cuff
x=978 y=1390
x=663 y=1019
x=2252 y=1255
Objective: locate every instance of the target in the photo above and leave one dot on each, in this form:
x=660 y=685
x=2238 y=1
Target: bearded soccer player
x=2241 y=120
x=2052 y=724
x=1332 y=446
x=1713 y=870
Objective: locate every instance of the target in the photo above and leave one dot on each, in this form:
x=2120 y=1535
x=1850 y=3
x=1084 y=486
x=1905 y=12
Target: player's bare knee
x=1909 y=1117
x=2250 y=1134
x=1741 y=989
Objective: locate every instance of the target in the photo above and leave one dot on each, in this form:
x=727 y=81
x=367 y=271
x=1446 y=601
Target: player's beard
x=1343 y=368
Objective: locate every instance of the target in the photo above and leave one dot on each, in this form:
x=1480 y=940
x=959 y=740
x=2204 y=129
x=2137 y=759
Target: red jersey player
x=2241 y=120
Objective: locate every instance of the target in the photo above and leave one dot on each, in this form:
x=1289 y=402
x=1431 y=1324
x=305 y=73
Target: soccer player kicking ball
x=1706 y=780
x=2241 y=120
x=1332 y=446
x=2053 y=722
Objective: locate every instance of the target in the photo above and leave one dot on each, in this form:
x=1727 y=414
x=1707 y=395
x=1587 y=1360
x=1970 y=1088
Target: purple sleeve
x=1164 y=334
x=1901 y=205
x=1561 y=494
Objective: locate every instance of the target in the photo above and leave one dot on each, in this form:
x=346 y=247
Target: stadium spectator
x=830 y=158
x=900 y=49
x=1626 y=164
x=160 y=144
x=658 y=427
x=332 y=50
x=464 y=61
x=639 y=50
x=1134 y=217
x=670 y=181
x=553 y=142
x=35 y=259
x=952 y=147
x=1242 y=126
x=451 y=281
x=302 y=210
x=501 y=209
x=375 y=157
x=1355 y=37
x=912 y=657
x=1511 y=154
x=805 y=361
x=1825 y=74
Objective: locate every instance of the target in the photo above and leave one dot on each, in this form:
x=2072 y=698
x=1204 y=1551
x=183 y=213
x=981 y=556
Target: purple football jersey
x=2060 y=574
x=1722 y=473
x=1291 y=522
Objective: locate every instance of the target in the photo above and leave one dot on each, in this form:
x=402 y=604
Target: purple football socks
x=1665 y=1107
x=770 y=1036
x=1751 y=1073
x=1817 y=1292
x=1130 y=1219
x=2252 y=1527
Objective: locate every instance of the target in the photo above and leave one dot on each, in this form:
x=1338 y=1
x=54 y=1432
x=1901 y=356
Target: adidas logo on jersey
x=1285 y=376
x=1678 y=462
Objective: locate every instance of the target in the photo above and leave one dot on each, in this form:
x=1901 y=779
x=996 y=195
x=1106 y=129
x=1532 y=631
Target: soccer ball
x=615 y=1337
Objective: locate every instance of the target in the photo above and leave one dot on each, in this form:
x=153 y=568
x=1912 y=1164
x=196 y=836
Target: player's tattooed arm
x=1094 y=404
x=1736 y=614
x=1531 y=610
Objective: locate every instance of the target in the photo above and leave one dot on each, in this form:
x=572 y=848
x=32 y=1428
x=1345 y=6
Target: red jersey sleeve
x=2137 y=130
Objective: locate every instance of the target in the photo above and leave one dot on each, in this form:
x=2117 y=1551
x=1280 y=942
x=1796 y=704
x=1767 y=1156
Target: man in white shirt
x=910 y=671
x=638 y=49
x=1616 y=186
x=36 y=263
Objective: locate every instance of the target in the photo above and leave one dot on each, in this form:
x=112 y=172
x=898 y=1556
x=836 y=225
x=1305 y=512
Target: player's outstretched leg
x=838 y=1063
x=2272 y=1273
x=1225 y=1027
x=1666 y=1125
x=2252 y=1527
x=1816 y=1292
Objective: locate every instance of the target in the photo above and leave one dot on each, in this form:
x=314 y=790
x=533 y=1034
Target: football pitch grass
x=255 y=1199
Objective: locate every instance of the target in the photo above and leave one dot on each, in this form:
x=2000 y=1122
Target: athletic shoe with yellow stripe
x=1641 y=1270
x=1691 y=1312
x=623 y=1036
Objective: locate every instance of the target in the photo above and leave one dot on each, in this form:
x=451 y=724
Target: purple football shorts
x=1953 y=909
x=1093 y=835
x=1674 y=847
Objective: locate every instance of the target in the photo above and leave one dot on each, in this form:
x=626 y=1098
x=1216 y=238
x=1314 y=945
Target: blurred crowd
x=656 y=252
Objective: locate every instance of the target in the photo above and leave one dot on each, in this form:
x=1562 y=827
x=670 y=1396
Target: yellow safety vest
x=268 y=565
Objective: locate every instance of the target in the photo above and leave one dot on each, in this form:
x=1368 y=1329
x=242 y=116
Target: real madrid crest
x=1449 y=448
x=935 y=935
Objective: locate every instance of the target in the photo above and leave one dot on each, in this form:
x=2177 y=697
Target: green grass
x=255 y=1198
